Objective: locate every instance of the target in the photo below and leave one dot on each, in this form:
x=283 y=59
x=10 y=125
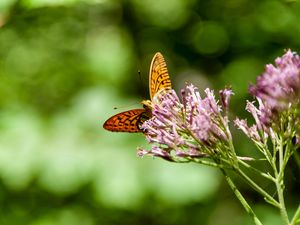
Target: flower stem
x=267 y=176
x=279 y=182
x=283 y=211
x=241 y=198
x=209 y=163
x=268 y=198
x=296 y=218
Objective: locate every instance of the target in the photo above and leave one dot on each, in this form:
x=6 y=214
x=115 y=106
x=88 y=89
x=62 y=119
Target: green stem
x=281 y=161
x=296 y=218
x=268 y=176
x=279 y=182
x=209 y=163
x=268 y=198
x=241 y=198
x=282 y=208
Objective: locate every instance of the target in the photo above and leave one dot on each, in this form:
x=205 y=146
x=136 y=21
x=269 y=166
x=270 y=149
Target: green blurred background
x=65 y=65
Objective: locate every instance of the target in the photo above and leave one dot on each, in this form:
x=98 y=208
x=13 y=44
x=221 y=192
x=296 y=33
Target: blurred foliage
x=64 y=66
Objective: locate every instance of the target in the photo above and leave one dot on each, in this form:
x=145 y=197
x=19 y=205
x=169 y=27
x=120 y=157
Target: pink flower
x=192 y=128
x=277 y=92
x=278 y=87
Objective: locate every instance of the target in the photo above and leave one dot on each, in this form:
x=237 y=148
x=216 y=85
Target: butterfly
x=131 y=120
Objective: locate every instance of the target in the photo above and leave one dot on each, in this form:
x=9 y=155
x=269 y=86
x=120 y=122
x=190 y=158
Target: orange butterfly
x=131 y=120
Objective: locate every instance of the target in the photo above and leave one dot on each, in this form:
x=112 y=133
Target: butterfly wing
x=128 y=121
x=158 y=76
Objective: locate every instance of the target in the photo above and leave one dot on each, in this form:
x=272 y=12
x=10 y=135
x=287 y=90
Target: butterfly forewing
x=158 y=76
x=128 y=121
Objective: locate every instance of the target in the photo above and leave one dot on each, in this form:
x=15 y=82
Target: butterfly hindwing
x=159 y=78
x=128 y=121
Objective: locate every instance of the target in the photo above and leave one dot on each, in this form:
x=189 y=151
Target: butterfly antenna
x=140 y=77
x=141 y=82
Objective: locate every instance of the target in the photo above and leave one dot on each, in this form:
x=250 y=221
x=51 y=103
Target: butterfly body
x=131 y=120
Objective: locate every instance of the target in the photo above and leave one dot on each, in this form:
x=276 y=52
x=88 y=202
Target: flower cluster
x=279 y=85
x=192 y=128
x=277 y=92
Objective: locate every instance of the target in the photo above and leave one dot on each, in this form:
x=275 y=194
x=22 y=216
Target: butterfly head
x=148 y=106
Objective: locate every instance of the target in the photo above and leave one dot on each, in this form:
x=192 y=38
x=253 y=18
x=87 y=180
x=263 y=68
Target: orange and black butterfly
x=131 y=120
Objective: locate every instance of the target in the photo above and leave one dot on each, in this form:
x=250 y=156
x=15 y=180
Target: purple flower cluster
x=279 y=86
x=277 y=92
x=191 y=128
